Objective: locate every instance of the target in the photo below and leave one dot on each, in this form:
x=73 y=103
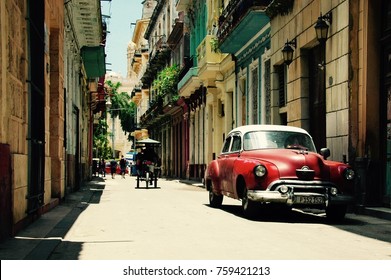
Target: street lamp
x=322 y=27
x=287 y=51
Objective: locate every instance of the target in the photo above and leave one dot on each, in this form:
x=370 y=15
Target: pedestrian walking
x=122 y=165
x=113 y=167
x=102 y=167
x=95 y=167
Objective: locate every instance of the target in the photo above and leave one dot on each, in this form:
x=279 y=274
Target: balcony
x=137 y=56
x=209 y=57
x=177 y=31
x=136 y=60
x=158 y=59
x=189 y=82
x=239 y=22
x=85 y=20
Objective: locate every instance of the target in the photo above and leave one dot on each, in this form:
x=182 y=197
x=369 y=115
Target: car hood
x=292 y=163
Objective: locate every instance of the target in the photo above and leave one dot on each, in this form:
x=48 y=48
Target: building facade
x=233 y=72
x=336 y=88
x=45 y=100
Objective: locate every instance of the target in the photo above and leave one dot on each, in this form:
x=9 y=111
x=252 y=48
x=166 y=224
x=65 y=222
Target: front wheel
x=249 y=207
x=336 y=213
x=215 y=200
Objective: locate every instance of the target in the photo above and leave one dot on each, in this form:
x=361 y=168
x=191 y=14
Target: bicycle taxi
x=147 y=162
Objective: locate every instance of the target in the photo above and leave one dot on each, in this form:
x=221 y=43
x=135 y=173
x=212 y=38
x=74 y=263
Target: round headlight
x=349 y=174
x=333 y=191
x=260 y=170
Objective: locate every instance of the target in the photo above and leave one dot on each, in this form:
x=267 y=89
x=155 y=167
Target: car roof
x=267 y=127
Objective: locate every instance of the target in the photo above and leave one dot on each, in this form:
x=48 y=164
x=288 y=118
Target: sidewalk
x=378 y=212
x=39 y=239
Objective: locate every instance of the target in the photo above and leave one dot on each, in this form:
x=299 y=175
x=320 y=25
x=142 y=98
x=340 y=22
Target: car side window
x=236 y=143
x=227 y=143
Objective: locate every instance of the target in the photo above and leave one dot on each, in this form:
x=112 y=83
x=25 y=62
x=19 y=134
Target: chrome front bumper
x=289 y=198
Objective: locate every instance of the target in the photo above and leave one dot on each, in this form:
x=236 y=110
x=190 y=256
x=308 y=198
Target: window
x=268 y=102
x=227 y=143
x=277 y=139
x=236 y=143
x=281 y=85
x=254 y=95
x=243 y=101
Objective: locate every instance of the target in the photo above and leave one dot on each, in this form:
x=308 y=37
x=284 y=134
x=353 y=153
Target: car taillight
x=260 y=171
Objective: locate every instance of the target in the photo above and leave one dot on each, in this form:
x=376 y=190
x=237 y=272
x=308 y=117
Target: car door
x=229 y=162
x=222 y=161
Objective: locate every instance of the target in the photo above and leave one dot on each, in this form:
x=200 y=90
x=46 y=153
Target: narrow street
x=174 y=221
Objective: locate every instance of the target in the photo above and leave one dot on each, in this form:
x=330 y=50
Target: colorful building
x=252 y=61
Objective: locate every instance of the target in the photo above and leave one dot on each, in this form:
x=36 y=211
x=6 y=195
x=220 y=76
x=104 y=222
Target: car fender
x=245 y=169
x=212 y=177
x=337 y=176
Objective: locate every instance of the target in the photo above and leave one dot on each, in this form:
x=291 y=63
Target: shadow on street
x=42 y=245
x=358 y=224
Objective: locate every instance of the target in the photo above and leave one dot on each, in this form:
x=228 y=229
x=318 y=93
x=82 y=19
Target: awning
x=94 y=61
x=148 y=141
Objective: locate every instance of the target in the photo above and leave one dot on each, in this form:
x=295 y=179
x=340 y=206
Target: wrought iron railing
x=234 y=13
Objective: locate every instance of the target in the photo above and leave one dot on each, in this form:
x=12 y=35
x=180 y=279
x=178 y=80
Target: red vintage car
x=278 y=165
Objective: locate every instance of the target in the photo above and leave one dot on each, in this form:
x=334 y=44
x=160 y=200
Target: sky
x=122 y=13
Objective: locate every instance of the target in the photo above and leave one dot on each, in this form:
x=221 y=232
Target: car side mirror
x=325 y=152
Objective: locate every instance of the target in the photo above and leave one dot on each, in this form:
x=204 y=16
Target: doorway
x=36 y=104
x=317 y=95
x=385 y=96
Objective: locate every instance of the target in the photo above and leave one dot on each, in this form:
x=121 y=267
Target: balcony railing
x=207 y=53
x=187 y=65
x=235 y=12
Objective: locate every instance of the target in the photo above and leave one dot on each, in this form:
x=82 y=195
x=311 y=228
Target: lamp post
x=112 y=134
x=108 y=106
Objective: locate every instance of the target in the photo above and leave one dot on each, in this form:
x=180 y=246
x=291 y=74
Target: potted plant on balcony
x=167 y=80
x=214 y=45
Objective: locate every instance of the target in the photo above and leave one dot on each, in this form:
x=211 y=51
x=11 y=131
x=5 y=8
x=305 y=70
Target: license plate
x=308 y=199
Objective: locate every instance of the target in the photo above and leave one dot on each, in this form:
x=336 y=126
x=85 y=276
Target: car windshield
x=277 y=140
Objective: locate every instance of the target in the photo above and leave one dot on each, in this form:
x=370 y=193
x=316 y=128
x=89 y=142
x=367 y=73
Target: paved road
x=174 y=221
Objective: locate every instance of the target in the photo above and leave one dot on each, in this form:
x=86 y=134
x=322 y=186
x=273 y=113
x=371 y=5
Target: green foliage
x=101 y=143
x=175 y=98
x=214 y=45
x=122 y=107
x=167 y=81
